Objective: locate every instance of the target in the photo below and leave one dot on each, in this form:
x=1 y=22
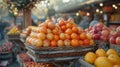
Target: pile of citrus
x=63 y=33
x=101 y=58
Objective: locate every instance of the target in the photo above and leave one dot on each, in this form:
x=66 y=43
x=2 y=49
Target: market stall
x=62 y=41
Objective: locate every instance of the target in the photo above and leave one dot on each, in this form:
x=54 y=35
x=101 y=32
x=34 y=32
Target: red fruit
x=118 y=40
x=86 y=42
x=99 y=29
x=105 y=33
x=61 y=22
x=100 y=25
x=103 y=38
x=112 y=40
x=96 y=36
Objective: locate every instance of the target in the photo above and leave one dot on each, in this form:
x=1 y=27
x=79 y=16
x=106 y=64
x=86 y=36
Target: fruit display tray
x=59 y=48
x=84 y=63
x=116 y=47
x=13 y=37
x=60 y=54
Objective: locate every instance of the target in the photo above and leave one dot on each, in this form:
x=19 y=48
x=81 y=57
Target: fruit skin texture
x=111 y=51
x=118 y=40
x=115 y=59
x=112 y=40
x=100 y=53
x=62 y=36
x=103 y=62
x=75 y=43
x=90 y=57
x=46 y=43
x=116 y=66
x=50 y=36
x=60 y=43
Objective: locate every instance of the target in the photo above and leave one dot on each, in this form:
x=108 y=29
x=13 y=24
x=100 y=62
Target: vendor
x=84 y=22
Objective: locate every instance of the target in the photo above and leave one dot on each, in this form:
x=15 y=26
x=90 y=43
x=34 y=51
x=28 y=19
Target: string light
x=97 y=10
x=101 y=4
x=101 y=11
x=77 y=14
x=88 y=14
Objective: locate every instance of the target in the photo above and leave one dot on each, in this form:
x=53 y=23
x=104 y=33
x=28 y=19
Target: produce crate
x=13 y=37
x=48 y=54
x=84 y=63
x=116 y=47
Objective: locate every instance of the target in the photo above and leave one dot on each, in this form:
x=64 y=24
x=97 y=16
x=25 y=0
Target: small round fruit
x=74 y=36
x=90 y=57
x=53 y=43
x=100 y=53
x=67 y=42
x=111 y=51
x=115 y=59
x=60 y=43
x=50 y=36
x=68 y=31
x=103 y=62
x=83 y=36
x=74 y=42
x=62 y=36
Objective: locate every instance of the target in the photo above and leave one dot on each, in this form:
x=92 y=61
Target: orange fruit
x=80 y=30
x=60 y=43
x=86 y=42
x=81 y=42
x=74 y=36
x=62 y=36
x=55 y=31
x=103 y=62
x=42 y=29
x=82 y=36
x=67 y=42
x=100 y=53
x=111 y=51
x=69 y=25
x=67 y=36
x=61 y=22
x=53 y=43
x=68 y=31
x=41 y=36
x=115 y=59
x=63 y=28
x=90 y=57
x=56 y=37
x=75 y=29
x=74 y=42
x=51 y=25
x=50 y=36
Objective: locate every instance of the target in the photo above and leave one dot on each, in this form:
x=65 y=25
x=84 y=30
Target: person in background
x=84 y=22
x=95 y=20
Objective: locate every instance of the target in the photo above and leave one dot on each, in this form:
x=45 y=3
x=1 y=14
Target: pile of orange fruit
x=102 y=58
x=63 y=33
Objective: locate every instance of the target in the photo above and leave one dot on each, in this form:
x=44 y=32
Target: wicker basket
x=57 y=53
x=13 y=37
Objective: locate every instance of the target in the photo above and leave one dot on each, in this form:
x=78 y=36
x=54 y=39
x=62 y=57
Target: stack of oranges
x=63 y=33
